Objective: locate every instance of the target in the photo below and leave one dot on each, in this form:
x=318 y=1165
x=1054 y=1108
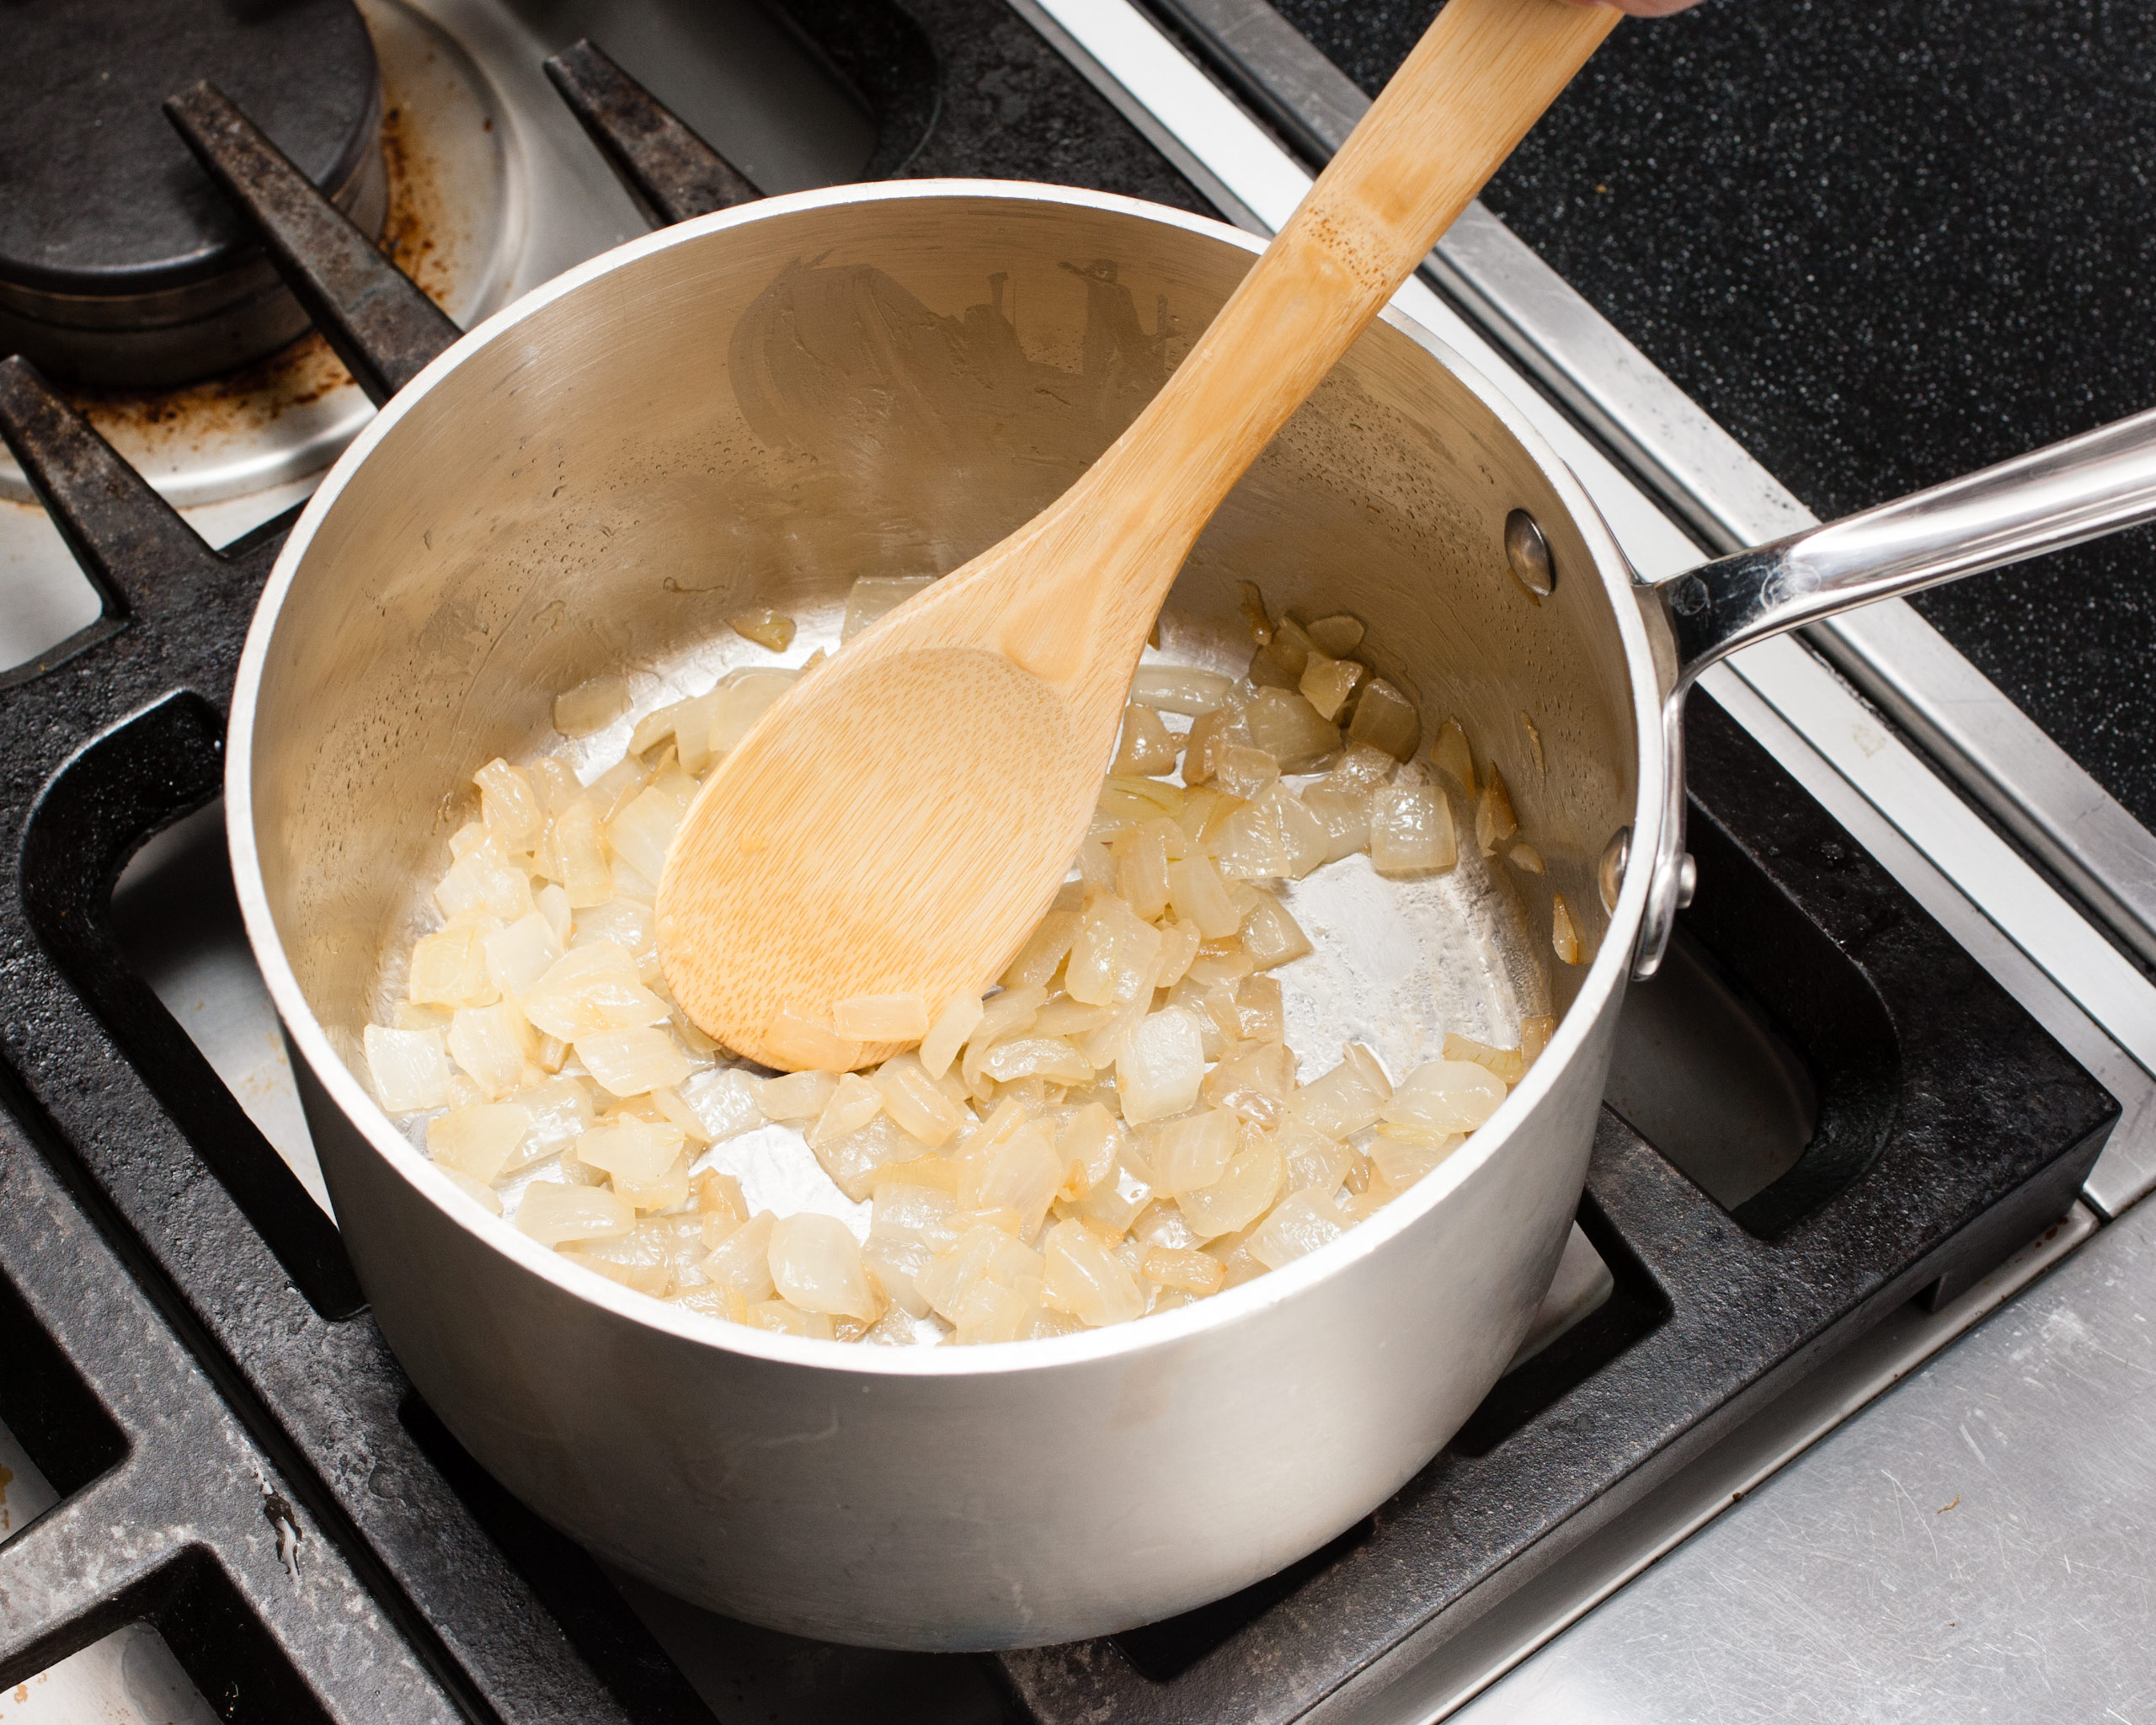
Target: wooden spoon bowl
x=897 y=824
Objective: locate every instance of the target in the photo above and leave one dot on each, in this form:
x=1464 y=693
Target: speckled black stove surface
x=1883 y=242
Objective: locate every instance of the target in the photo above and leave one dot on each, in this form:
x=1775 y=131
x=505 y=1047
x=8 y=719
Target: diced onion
x=1244 y=1191
x=1244 y=772
x=1270 y=935
x=802 y=1042
x=1299 y=1225
x=509 y=804
x=1291 y=730
x=742 y=1261
x=1021 y=1175
x=1564 y=937
x=1338 y=635
x=640 y=834
x=1401 y=1162
x=591 y=988
x=590 y=706
x=852 y=1159
x=1113 y=951
x=1445 y=1097
x=485 y=880
x=492 y=1045
x=1345 y=1099
x=1344 y=817
x=784 y=1318
x=640 y=1150
x=1159 y=1067
x=797 y=1096
x=576 y=851
x=1001 y=1192
x=449 y=969
x=479 y=1140
x=957 y=1022
x=1193 y=1150
x=1384 y=719
x=551 y=1213
x=1142 y=865
x=1449 y=753
x=1117 y=1200
x=1493 y=814
x=519 y=955
x=629 y=1062
x=1180 y=688
x=1326 y=683
x=1037 y=960
x=853 y=1105
x=1087 y=1147
x=1146 y=745
x=1411 y=831
x=984 y=1257
x=1209 y=740
x=766 y=628
x=1278 y=663
x=815 y=1264
x=917 y=1102
x=1085 y=1279
x=1183 y=1268
x=477 y=1191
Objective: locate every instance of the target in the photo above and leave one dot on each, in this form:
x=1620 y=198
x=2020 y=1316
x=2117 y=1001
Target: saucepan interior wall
x=767 y=411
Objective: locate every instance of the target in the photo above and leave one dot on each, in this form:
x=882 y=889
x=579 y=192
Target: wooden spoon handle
x=1481 y=75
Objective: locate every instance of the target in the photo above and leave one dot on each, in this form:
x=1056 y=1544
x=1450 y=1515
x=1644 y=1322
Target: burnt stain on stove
x=417 y=235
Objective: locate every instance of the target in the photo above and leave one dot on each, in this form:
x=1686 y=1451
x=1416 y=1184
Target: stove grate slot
x=192 y=1607
x=1703 y=1073
x=176 y=920
x=130 y=1677
x=1636 y=1306
x=669 y=173
x=134 y=780
x=567 y=1579
x=54 y=1416
x=1803 y=991
x=168 y=1511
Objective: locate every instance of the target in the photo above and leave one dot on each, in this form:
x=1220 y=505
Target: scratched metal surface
x=1976 y=1548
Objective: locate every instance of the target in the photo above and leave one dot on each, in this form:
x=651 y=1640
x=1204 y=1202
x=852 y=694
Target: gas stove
x=1894 y=1072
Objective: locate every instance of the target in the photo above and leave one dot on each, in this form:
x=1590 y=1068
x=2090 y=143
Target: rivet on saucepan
x=1688 y=879
x=1609 y=876
x=1528 y=554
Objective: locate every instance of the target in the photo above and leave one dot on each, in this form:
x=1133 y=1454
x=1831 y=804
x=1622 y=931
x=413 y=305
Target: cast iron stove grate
x=185 y=1349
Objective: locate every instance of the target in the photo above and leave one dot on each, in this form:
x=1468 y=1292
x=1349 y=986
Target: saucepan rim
x=1607 y=972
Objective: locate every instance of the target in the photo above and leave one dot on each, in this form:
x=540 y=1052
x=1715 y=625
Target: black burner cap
x=98 y=197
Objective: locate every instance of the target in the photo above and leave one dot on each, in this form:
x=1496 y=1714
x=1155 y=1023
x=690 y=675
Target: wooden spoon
x=899 y=822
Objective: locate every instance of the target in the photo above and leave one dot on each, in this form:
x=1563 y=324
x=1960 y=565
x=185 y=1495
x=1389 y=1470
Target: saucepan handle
x=2081 y=488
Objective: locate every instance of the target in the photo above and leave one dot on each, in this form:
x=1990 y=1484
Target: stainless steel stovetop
x=1959 y=1548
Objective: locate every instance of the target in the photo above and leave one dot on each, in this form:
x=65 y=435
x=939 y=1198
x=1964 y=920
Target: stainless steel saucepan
x=766 y=405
